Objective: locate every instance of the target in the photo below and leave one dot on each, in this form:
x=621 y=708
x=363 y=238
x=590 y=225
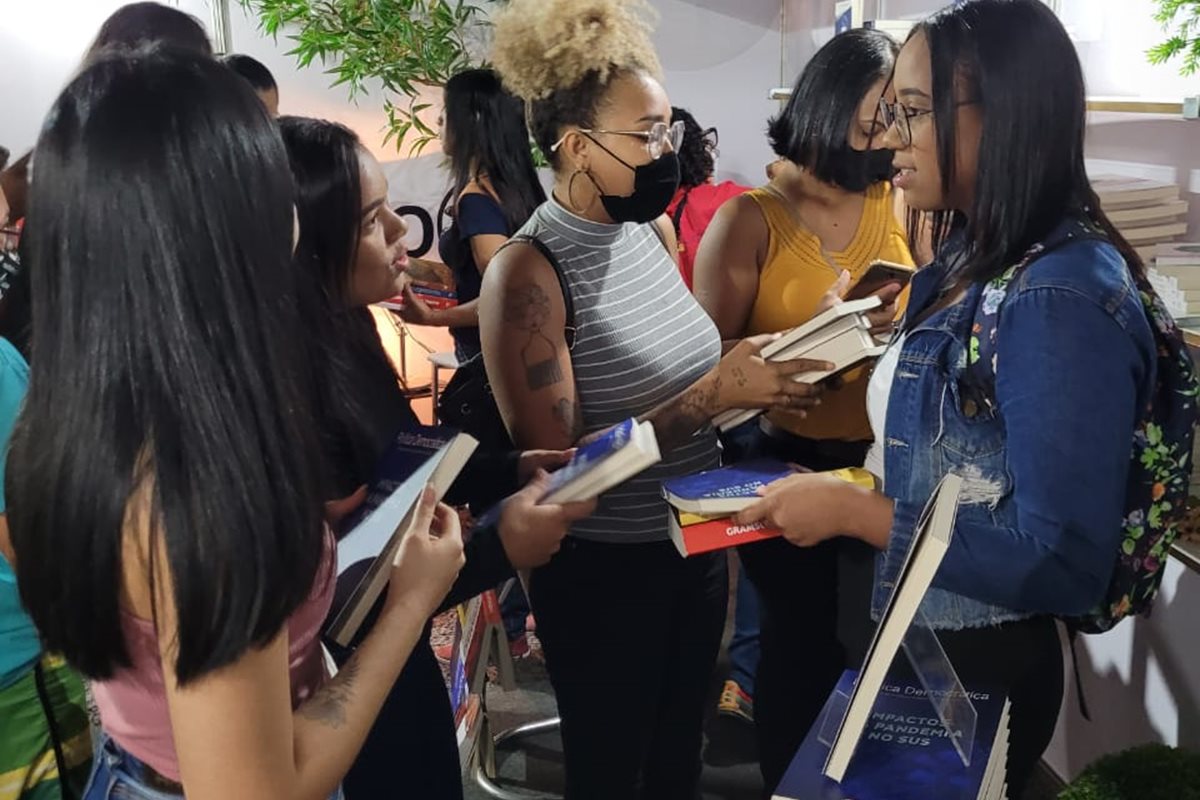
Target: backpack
x=1161 y=455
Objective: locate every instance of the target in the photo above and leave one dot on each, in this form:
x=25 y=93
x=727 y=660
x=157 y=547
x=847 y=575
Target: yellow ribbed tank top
x=797 y=272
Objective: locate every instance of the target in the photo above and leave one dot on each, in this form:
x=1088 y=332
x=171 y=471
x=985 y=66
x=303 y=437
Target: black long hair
x=1016 y=61
x=141 y=24
x=167 y=366
x=814 y=125
x=360 y=404
x=488 y=137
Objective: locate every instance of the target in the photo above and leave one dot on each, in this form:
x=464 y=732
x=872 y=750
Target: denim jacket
x=1045 y=469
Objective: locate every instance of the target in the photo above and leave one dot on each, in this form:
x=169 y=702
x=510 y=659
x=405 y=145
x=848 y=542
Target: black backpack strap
x=569 y=329
x=677 y=217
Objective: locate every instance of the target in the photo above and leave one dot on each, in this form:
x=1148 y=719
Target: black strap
x=677 y=217
x=568 y=304
x=60 y=759
x=1072 y=636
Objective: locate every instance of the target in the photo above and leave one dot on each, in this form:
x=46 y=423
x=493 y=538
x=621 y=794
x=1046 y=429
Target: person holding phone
x=771 y=259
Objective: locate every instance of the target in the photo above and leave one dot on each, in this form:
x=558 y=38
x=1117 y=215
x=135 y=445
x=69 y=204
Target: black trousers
x=814 y=610
x=631 y=634
x=1025 y=660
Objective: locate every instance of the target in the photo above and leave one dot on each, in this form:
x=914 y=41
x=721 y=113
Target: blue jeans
x=743 y=645
x=117 y=775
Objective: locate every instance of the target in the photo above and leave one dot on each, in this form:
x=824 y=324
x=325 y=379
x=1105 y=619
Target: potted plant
x=410 y=46
x=1146 y=772
x=1182 y=19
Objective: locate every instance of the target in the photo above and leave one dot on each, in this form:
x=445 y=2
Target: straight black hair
x=360 y=404
x=140 y=24
x=167 y=366
x=1016 y=61
x=252 y=70
x=814 y=125
x=488 y=137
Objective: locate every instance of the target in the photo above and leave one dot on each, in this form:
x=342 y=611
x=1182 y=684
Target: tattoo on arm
x=679 y=419
x=528 y=309
x=570 y=418
x=328 y=705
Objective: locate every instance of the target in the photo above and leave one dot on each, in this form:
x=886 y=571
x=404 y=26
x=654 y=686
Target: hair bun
x=543 y=46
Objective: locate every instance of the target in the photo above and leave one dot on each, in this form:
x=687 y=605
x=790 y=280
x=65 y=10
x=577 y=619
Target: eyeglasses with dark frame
x=902 y=116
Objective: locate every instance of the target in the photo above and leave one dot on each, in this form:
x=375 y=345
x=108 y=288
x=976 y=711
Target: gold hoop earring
x=571 y=192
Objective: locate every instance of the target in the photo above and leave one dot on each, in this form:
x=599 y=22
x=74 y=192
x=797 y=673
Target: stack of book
x=703 y=506
x=435 y=295
x=841 y=336
x=1175 y=275
x=479 y=643
x=1146 y=212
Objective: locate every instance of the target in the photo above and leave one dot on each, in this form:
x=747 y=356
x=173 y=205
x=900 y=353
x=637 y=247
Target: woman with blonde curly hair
x=587 y=323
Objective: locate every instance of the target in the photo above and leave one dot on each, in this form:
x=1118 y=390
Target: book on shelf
x=1177 y=254
x=370 y=537
x=703 y=505
x=1183 y=278
x=1153 y=234
x=840 y=335
x=621 y=453
x=1120 y=191
x=1148 y=215
x=930 y=542
x=906 y=752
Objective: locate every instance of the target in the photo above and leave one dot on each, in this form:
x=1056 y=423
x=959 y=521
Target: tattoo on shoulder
x=328 y=705
x=569 y=417
x=528 y=309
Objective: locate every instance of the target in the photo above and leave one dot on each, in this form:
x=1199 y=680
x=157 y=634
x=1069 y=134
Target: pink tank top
x=133 y=704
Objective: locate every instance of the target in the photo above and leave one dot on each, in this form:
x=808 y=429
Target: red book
x=709 y=534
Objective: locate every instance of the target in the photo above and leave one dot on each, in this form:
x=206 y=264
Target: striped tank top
x=641 y=339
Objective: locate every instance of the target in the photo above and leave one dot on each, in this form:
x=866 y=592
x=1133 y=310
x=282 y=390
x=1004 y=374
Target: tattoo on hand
x=570 y=418
x=328 y=705
x=543 y=373
x=739 y=377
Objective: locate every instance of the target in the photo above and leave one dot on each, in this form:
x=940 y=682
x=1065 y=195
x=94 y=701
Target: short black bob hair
x=252 y=70
x=814 y=124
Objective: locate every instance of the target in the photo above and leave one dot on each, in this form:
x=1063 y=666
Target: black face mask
x=654 y=185
x=856 y=170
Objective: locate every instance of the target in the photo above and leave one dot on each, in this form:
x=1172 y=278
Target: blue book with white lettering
x=724 y=491
x=905 y=753
x=622 y=452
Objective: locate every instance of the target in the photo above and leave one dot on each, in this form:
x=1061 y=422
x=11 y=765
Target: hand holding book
x=811 y=507
x=531 y=531
x=428 y=559
x=746 y=380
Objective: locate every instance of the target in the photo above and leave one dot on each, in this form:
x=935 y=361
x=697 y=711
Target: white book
x=1120 y=191
x=930 y=542
x=853 y=346
x=790 y=338
x=1177 y=254
x=1185 y=278
x=367 y=552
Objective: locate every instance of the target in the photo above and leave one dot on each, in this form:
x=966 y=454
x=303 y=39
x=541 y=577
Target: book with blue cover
x=622 y=452
x=723 y=491
x=419 y=456
x=905 y=752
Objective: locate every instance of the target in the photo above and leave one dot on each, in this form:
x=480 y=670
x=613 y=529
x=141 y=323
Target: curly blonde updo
x=561 y=55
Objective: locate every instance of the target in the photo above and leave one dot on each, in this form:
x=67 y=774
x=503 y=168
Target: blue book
x=419 y=456
x=905 y=752
x=618 y=455
x=724 y=491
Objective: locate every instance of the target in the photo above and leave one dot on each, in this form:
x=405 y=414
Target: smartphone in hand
x=878 y=275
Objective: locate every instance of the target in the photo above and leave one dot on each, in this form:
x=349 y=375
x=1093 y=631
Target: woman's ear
x=577 y=149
